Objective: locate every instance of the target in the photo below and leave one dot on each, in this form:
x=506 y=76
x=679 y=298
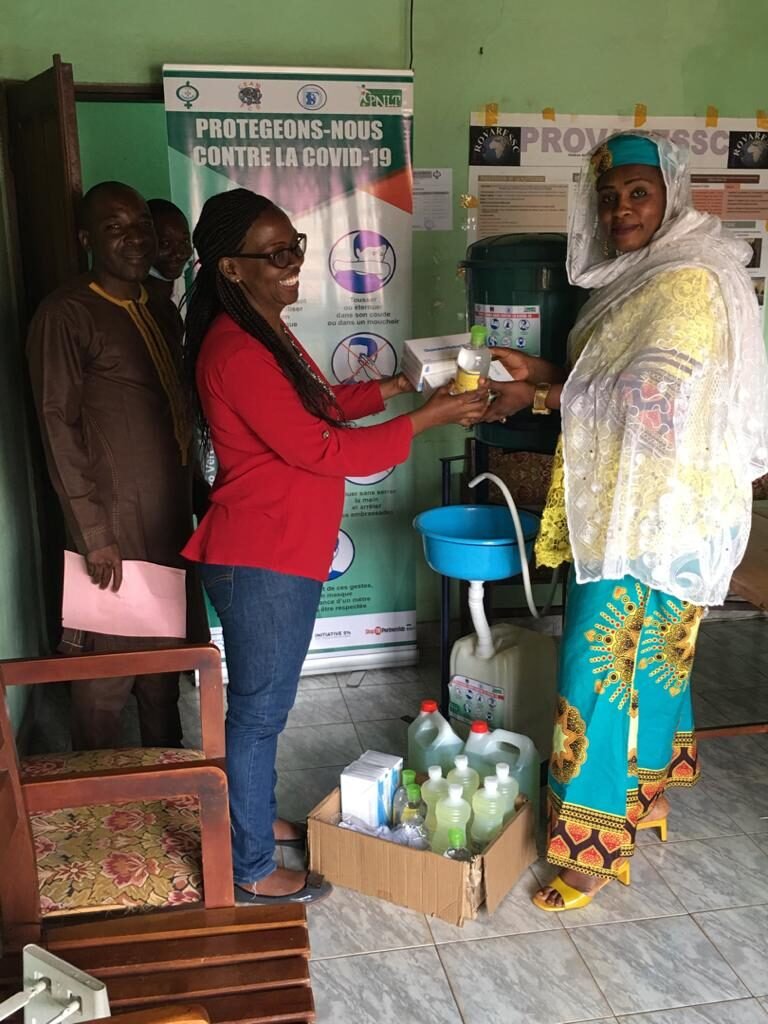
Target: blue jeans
x=267 y=619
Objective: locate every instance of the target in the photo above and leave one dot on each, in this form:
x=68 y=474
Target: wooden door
x=42 y=168
x=44 y=157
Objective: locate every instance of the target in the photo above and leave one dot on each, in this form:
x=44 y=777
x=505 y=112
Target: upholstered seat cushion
x=115 y=857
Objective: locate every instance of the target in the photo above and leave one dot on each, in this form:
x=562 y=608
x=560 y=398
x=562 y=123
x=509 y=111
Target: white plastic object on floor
x=431 y=740
x=515 y=688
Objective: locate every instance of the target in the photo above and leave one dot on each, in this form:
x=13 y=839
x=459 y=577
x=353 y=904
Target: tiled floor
x=686 y=943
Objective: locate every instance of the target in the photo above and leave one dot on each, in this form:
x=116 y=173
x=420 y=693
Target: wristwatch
x=540 y=407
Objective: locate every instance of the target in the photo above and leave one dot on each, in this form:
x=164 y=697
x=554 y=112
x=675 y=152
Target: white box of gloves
x=368 y=786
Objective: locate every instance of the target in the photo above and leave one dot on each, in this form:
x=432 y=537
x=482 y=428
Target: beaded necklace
x=308 y=369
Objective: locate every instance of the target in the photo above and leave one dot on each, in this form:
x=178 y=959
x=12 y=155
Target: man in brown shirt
x=104 y=362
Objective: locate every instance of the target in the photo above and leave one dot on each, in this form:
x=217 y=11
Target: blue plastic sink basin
x=474 y=542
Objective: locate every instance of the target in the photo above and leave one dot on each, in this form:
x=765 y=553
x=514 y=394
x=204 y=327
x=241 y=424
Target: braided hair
x=224 y=222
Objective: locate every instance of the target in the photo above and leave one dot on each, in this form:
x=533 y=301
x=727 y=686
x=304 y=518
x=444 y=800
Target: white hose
x=484 y=645
x=520 y=543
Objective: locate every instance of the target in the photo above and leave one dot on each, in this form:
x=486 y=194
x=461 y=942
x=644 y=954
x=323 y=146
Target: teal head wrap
x=625 y=149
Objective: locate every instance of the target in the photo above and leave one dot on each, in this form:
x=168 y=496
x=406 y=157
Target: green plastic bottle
x=473 y=361
x=400 y=799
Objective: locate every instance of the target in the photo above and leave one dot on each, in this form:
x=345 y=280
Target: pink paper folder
x=152 y=600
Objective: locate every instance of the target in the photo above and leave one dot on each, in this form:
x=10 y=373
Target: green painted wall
x=676 y=56
x=20 y=607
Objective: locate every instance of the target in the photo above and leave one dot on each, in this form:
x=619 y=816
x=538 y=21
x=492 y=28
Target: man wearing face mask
x=103 y=357
x=174 y=250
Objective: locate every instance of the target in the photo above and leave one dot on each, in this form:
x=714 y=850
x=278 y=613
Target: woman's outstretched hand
x=442 y=408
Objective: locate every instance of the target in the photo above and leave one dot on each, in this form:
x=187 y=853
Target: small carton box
x=450 y=889
x=432 y=361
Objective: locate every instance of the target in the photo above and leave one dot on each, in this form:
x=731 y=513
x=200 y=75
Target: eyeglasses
x=282 y=258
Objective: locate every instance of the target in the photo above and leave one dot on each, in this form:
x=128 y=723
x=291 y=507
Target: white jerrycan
x=515 y=688
x=431 y=740
x=486 y=749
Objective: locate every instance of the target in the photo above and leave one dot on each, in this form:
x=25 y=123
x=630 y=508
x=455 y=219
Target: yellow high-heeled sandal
x=574 y=899
x=659 y=823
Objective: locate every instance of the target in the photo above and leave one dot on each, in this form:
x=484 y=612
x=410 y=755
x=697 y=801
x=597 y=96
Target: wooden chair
x=240 y=963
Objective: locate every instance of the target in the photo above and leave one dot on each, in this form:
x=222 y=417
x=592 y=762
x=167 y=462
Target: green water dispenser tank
x=518 y=288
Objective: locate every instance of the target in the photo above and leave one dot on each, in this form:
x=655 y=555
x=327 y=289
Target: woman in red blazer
x=284 y=441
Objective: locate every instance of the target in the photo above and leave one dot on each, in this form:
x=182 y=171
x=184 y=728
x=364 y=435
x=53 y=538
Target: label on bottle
x=465 y=381
x=471 y=700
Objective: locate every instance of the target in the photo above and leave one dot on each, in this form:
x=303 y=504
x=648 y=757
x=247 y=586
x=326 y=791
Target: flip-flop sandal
x=315 y=889
x=300 y=842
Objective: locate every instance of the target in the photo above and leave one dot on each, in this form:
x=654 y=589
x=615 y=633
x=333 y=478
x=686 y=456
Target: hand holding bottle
x=443 y=408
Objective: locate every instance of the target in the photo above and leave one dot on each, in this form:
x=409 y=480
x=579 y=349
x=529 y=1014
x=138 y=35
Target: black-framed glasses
x=282 y=258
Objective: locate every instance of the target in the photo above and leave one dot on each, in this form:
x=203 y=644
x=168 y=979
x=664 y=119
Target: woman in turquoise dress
x=664 y=412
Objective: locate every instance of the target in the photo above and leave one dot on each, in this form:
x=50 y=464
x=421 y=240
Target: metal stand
x=55 y=991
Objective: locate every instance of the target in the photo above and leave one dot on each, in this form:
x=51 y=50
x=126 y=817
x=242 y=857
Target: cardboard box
x=448 y=889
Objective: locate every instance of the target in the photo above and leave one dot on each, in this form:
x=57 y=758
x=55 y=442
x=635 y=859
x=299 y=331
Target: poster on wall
x=332 y=147
x=523 y=169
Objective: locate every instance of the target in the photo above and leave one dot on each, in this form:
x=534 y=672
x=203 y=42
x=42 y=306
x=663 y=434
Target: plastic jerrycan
x=452 y=813
x=488 y=748
x=515 y=689
x=431 y=740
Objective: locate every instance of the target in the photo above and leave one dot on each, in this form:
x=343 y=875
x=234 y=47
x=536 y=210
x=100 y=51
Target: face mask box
x=428 y=363
x=368 y=786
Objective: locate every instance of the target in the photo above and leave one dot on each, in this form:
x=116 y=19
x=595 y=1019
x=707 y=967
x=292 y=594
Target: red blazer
x=279 y=492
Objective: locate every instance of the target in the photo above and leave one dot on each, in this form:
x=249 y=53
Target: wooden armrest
x=64 y=668
x=205 y=658
x=121 y=785
x=206 y=781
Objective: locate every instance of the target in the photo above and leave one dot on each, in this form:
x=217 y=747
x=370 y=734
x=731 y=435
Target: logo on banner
x=187 y=93
x=380 y=97
x=362 y=262
x=312 y=97
x=250 y=95
x=343 y=556
x=362 y=357
x=494 y=147
x=748 y=150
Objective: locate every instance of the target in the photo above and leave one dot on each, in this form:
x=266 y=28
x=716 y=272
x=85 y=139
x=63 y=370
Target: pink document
x=151 y=601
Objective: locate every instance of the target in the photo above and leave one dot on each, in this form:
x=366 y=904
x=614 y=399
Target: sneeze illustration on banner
x=362 y=261
x=343 y=556
x=361 y=357
x=312 y=97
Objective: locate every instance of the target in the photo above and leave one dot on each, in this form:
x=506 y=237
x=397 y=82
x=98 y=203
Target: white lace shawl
x=664 y=497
